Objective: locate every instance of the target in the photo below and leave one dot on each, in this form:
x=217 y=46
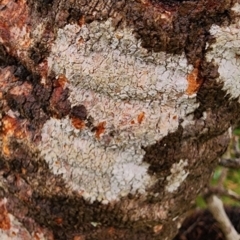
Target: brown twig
x=233 y=163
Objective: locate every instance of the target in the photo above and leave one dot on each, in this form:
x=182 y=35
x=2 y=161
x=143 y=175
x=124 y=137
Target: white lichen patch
x=178 y=175
x=225 y=52
x=138 y=95
x=113 y=63
x=101 y=172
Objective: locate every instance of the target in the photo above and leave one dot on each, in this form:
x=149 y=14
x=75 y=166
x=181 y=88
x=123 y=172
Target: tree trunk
x=113 y=113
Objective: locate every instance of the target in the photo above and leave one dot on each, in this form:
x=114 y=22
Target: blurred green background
x=232 y=176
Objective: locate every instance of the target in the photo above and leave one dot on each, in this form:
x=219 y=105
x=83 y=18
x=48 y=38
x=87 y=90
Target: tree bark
x=113 y=113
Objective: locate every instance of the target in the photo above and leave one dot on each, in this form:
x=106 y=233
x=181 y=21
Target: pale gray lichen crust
x=178 y=175
x=117 y=81
x=225 y=53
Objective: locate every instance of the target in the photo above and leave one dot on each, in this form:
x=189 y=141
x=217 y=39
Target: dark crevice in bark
x=39 y=52
x=5 y=58
x=41 y=7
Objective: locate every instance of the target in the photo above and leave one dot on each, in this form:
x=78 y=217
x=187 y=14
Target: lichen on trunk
x=113 y=114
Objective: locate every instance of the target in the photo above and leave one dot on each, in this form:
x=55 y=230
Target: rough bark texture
x=113 y=113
